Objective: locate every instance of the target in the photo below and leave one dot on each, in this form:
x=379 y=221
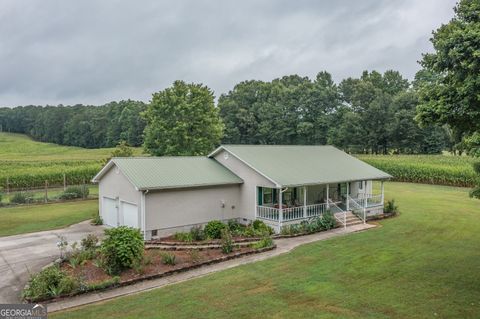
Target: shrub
x=181 y=236
x=227 y=241
x=74 y=192
x=103 y=284
x=475 y=193
x=90 y=242
x=169 y=259
x=197 y=233
x=234 y=226
x=390 y=208
x=194 y=256
x=50 y=282
x=97 y=220
x=121 y=248
x=327 y=221
x=214 y=229
x=266 y=241
x=22 y=198
x=261 y=227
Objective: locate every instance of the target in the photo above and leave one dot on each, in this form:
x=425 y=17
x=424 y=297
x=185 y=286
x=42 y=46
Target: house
x=279 y=184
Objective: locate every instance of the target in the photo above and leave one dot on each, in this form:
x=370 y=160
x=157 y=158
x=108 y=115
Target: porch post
x=383 y=196
x=347 y=204
x=328 y=190
x=280 y=208
x=304 y=201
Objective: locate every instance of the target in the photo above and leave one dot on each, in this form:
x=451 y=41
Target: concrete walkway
x=23 y=254
x=283 y=246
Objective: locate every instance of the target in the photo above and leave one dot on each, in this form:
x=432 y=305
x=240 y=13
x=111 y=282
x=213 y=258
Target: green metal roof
x=292 y=165
x=174 y=172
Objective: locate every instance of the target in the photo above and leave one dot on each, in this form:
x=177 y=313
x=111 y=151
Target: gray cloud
x=97 y=51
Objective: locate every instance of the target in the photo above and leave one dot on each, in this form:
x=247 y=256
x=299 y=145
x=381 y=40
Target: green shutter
x=260 y=195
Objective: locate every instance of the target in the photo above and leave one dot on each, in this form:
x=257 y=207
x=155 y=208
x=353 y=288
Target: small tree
x=121 y=150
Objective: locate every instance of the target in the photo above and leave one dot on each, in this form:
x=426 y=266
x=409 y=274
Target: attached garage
x=163 y=195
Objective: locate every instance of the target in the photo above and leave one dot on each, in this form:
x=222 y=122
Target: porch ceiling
x=294 y=165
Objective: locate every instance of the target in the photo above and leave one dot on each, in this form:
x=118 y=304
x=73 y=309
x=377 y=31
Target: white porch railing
x=291 y=213
x=369 y=200
x=338 y=213
x=268 y=213
x=357 y=209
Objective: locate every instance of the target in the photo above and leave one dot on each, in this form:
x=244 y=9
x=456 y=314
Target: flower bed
x=74 y=275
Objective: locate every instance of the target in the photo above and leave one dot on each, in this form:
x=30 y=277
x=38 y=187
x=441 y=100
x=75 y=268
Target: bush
x=181 y=236
x=97 y=220
x=476 y=167
x=197 y=233
x=261 y=227
x=21 y=198
x=122 y=248
x=266 y=241
x=50 y=282
x=390 y=208
x=74 y=192
x=327 y=221
x=227 y=241
x=214 y=229
x=103 y=284
x=169 y=259
x=194 y=256
x=475 y=193
x=90 y=242
x=234 y=226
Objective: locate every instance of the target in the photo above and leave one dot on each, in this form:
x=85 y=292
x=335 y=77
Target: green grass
x=33 y=218
x=27 y=163
x=430 y=169
x=423 y=264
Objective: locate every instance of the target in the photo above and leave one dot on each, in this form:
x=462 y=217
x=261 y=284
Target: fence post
x=83 y=193
x=8 y=186
x=64 y=182
x=46 y=191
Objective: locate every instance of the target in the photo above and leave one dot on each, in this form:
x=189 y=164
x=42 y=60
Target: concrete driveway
x=21 y=255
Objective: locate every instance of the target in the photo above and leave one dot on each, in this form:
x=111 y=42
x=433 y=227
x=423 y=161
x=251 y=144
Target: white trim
x=278 y=185
x=106 y=168
x=142 y=208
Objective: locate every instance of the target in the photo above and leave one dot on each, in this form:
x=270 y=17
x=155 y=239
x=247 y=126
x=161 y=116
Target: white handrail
x=339 y=210
x=357 y=208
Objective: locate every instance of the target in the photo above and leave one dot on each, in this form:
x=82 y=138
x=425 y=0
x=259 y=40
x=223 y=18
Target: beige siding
x=248 y=190
x=115 y=185
x=171 y=209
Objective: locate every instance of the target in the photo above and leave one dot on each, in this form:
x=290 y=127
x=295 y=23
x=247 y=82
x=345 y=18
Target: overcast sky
x=93 y=52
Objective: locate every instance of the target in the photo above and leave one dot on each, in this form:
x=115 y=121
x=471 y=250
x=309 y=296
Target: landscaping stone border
x=164 y=274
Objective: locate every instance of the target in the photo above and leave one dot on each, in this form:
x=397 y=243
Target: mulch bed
x=185 y=261
x=171 y=241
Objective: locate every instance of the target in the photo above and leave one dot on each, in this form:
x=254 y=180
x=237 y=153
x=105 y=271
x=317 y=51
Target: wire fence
x=48 y=193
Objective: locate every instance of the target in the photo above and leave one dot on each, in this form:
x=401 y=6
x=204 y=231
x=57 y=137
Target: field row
x=429 y=169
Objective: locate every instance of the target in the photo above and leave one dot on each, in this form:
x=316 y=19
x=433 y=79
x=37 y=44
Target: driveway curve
x=23 y=254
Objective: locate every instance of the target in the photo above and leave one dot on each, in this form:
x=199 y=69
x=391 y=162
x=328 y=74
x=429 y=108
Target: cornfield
x=23 y=175
x=429 y=169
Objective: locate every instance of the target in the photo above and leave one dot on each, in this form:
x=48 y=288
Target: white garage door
x=110 y=214
x=130 y=214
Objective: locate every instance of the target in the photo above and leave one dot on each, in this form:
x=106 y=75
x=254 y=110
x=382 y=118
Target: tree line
x=79 y=125
x=370 y=114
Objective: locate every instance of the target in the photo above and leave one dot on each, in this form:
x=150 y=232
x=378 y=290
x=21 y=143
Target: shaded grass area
x=424 y=263
x=33 y=218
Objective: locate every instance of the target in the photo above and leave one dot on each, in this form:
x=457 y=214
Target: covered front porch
x=304 y=202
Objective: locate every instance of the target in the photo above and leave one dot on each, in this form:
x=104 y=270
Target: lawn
x=424 y=263
x=33 y=218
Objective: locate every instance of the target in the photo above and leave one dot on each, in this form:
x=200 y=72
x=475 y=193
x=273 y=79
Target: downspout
x=144 y=223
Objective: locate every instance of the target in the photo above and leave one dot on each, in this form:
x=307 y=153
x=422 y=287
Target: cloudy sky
x=83 y=51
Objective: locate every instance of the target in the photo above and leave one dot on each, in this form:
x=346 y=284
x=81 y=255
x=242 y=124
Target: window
x=267 y=196
x=360 y=185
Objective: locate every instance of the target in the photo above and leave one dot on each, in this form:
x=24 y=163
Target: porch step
x=351 y=219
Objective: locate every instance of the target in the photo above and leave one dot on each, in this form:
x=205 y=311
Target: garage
x=110 y=213
x=129 y=214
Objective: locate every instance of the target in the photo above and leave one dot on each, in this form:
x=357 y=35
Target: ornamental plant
x=122 y=248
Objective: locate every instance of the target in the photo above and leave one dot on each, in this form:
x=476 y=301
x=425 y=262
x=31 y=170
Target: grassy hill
x=28 y=163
